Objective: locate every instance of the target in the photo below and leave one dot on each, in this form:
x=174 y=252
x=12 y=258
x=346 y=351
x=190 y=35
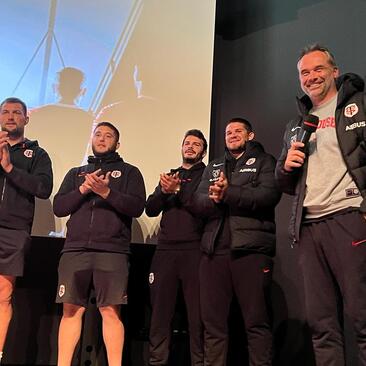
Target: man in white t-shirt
x=328 y=179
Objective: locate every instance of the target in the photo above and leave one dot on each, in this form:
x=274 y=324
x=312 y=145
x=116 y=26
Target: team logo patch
x=28 y=153
x=61 y=291
x=151 y=278
x=116 y=174
x=351 y=110
x=216 y=173
x=250 y=161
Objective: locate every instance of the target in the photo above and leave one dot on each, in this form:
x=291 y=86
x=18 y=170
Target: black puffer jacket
x=31 y=177
x=96 y=223
x=351 y=135
x=248 y=204
x=179 y=227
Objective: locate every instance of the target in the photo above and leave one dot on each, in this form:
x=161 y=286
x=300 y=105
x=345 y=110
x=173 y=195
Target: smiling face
x=236 y=135
x=104 y=141
x=192 y=150
x=13 y=119
x=317 y=77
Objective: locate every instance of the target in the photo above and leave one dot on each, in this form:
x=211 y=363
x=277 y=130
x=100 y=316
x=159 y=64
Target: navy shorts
x=13 y=247
x=79 y=271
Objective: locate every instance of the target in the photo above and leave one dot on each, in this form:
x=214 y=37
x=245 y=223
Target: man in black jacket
x=177 y=256
x=237 y=196
x=25 y=173
x=102 y=198
x=328 y=179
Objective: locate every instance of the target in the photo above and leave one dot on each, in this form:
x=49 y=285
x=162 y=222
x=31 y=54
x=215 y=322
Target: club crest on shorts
x=151 y=278
x=61 y=290
x=116 y=174
x=250 y=161
x=351 y=110
x=28 y=153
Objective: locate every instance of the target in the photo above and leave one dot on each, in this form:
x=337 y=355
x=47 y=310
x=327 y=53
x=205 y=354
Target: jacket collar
x=106 y=158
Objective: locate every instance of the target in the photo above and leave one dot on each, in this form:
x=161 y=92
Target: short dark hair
x=14 y=100
x=198 y=134
x=108 y=124
x=317 y=47
x=243 y=121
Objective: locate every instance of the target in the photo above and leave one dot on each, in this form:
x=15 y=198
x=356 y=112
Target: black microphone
x=309 y=125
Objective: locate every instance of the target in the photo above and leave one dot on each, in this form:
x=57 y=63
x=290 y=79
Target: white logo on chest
x=28 y=153
x=351 y=110
x=116 y=174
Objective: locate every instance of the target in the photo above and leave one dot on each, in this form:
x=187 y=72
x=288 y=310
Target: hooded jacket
x=179 y=227
x=96 y=223
x=248 y=205
x=30 y=177
x=350 y=124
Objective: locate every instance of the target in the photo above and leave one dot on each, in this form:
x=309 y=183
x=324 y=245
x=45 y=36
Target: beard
x=237 y=150
x=112 y=149
x=14 y=133
x=192 y=161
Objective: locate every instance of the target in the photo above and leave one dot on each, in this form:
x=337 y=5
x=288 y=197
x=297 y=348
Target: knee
x=6 y=290
x=110 y=312
x=73 y=311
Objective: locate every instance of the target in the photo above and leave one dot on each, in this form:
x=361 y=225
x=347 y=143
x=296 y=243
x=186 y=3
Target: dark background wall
x=256 y=48
x=255 y=76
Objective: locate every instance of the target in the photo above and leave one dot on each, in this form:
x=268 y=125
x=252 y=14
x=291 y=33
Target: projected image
x=145 y=66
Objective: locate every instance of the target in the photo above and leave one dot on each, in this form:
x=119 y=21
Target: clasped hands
x=217 y=190
x=4 y=152
x=170 y=183
x=96 y=182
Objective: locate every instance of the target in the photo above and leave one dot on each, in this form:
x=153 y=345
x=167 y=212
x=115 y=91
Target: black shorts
x=13 y=247
x=79 y=271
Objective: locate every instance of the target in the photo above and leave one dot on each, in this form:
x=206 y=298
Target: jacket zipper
x=91 y=220
x=3 y=190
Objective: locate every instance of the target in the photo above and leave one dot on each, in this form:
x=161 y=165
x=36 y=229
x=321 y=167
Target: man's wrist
x=8 y=168
x=83 y=190
x=105 y=194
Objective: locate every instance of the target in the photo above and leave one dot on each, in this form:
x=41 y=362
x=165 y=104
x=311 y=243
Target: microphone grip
x=304 y=136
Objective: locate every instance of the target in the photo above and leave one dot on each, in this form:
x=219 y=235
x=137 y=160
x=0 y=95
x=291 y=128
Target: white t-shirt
x=329 y=186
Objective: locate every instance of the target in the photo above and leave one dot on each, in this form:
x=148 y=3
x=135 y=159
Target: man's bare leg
x=113 y=333
x=69 y=332
x=6 y=309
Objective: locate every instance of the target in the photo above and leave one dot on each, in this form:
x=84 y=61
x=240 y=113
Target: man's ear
x=251 y=136
x=118 y=145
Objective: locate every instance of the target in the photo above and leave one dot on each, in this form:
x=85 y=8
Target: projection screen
x=145 y=66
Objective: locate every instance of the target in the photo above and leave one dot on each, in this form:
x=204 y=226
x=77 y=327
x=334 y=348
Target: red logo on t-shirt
x=327 y=122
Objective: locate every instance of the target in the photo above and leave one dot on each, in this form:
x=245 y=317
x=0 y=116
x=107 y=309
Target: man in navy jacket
x=328 y=181
x=237 y=197
x=101 y=198
x=177 y=256
x=25 y=173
